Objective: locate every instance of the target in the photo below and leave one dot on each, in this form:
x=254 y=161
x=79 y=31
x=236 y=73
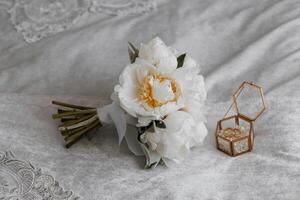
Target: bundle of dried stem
x=76 y=120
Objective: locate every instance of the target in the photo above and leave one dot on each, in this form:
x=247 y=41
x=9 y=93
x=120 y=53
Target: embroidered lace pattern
x=19 y=180
x=37 y=19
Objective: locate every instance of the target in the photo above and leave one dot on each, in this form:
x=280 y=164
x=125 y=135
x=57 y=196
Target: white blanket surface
x=234 y=40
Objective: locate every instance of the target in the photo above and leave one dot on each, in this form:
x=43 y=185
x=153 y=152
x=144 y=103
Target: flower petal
x=167 y=64
x=158 y=54
x=199 y=132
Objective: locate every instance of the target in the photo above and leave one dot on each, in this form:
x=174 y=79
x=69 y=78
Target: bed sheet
x=234 y=40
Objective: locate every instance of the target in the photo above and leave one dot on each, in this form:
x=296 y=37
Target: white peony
x=153 y=88
x=181 y=133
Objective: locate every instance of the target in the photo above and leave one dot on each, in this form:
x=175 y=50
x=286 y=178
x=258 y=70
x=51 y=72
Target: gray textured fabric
x=99 y=169
x=234 y=41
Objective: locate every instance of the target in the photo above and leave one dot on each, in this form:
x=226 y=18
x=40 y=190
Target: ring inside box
x=237 y=135
x=234 y=135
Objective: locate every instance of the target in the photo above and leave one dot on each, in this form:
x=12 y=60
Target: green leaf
x=132 y=56
x=152 y=157
x=133 y=52
x=180 y=60
x=160 y=124
x=133 y=47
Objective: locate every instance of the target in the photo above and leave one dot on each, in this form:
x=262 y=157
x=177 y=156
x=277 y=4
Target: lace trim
x=122 y=7
x=37 y=19
x=19 y=180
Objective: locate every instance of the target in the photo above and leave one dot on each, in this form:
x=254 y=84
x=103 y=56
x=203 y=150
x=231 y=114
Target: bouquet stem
x=76 y=120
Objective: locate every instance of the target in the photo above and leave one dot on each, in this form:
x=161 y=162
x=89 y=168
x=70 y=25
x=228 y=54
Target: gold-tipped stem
x=71 y=132
x=64 y=114
x=76 y=120
x=79 y=124
x=74 y=138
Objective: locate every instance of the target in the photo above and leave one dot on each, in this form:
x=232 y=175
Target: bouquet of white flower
x=158 y=106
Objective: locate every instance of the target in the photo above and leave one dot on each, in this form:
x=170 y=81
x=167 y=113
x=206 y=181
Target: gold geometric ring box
x=235 y=133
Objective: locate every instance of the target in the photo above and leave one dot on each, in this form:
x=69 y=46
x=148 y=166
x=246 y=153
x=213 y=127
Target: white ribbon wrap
x=125 y=125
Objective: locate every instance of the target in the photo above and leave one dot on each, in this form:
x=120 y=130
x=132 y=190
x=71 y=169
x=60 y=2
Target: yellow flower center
x=157 y=90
